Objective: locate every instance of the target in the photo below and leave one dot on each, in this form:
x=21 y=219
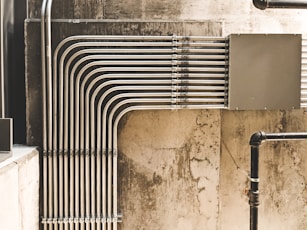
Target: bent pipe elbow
x=260 y=4
x=257 y=138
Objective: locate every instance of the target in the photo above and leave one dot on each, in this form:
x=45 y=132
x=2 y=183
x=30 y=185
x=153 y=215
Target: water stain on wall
x=169 y=175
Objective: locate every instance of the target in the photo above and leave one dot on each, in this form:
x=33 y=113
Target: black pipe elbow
x=260 y=4
x=257 y=138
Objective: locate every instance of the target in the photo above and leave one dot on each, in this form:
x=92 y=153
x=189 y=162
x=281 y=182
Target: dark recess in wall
x=17 y=103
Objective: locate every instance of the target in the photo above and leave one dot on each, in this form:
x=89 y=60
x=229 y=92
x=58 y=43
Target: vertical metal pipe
x=255 y=141
x=93 y=187
x=52 y=178
x=49 y=71
x=2 y=100
x=85 y=166
x=44 y=124
x=254 y=190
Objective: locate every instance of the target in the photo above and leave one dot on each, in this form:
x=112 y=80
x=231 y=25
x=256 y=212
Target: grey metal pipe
x=52 y=142
x=67 y=67
x=85 y=119
x=137 y=100
x=46 y=38
x=289 y=4
x=71 y=104
x=116 y=69
x=103 y=119
x=44 y=124
x=124 y=82
x=107 y=69
x=2 y=95
x=115 y=129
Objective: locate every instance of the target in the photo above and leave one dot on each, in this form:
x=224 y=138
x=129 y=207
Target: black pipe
x=255 y=141
x=289 y=4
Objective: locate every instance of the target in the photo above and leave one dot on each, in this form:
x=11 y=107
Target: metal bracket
x=6 y=138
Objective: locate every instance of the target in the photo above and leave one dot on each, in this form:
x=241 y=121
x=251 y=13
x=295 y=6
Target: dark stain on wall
x=144 y=194
x=109 y=9
x=142 y=9
x=61 y=30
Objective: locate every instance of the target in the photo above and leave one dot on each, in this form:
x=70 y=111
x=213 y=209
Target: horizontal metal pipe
x=124 y=38
x=115 y=129
x=258 y=137
x=289 y=4
x=71 y=59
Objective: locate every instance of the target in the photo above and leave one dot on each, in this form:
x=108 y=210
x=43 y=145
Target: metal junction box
x=264 y=71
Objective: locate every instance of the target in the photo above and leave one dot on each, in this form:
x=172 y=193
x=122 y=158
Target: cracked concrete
x=186 y=195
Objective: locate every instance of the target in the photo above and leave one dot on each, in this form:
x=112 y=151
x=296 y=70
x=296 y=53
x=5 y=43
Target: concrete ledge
x=19 y=190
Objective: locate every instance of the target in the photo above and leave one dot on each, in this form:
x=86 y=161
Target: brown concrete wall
x=169 y=170
x=186 y=169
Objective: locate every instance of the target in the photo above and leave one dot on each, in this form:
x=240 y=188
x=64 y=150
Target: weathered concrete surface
x=239 y=16
x=169 y=170
x=62 y=30
x=150 y=192
x=19 y=190
x=185 y=157
x=282 y=170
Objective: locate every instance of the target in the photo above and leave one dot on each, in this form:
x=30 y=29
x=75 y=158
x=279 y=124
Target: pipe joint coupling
x=254 y=198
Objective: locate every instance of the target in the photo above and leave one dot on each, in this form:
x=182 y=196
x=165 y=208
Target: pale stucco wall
x=179 y=169
x=19 y=190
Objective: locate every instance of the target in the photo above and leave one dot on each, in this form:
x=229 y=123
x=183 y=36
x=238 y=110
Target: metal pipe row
x=92 y=84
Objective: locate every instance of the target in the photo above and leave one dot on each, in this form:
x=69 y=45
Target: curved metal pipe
x=140 y=97
x=115 y=135
x=108 y=92
x=289 y=4
x=84 y=69
x=88 y=82
x=255 y=141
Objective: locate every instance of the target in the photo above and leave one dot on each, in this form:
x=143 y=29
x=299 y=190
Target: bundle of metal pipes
x=89 y=85
x=95 y=81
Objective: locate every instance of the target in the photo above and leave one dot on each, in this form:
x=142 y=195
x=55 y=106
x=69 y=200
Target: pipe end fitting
x=257 y=138
x=260 y=4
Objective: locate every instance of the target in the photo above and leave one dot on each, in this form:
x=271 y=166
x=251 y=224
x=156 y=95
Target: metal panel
x=264 y=71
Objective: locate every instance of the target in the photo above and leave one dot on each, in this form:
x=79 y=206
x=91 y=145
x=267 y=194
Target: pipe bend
x=257 y=138
x=260 y=4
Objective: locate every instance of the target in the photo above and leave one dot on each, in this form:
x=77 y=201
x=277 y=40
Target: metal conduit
x=95 y=82
x=304 y=74
x=112 y=145
x=292 y=4
x=255 y=141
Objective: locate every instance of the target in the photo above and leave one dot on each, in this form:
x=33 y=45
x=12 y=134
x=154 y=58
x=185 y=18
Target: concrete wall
x=187 y=169
x=19 y=190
